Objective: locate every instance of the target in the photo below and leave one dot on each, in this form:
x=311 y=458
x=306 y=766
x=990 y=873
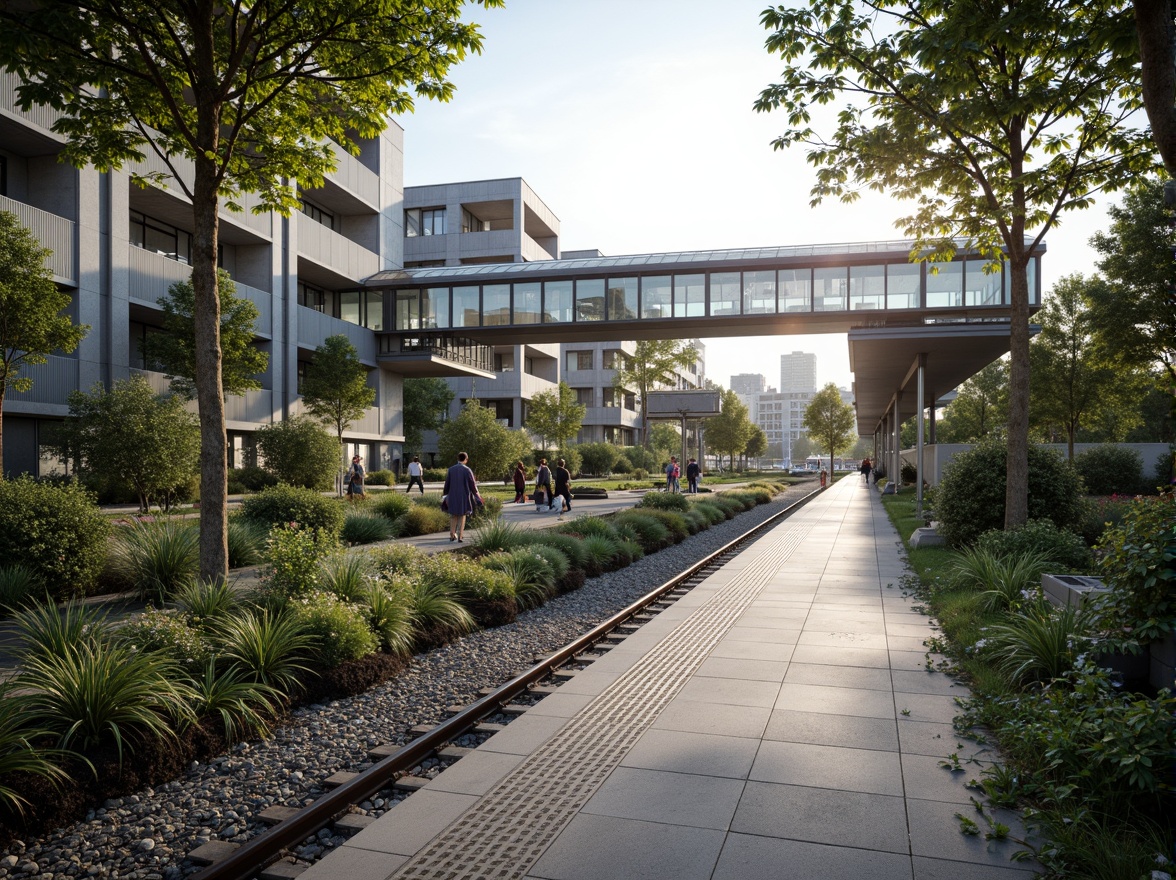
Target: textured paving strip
x=508 y=829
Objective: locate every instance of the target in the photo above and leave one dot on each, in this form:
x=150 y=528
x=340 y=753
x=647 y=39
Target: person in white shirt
x=416 y=474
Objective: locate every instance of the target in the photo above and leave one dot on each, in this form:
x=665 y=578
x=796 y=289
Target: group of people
x=674 y=476
x=545 y=491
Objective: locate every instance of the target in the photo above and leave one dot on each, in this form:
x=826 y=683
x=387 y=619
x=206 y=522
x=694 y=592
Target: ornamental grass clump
x=391 y=505
x=422 y=519
x=20 y=586
x=347 y=575
x=388 y=606
x=21 y=749
x=205 y=602
x=1006 y=582
x=529 y=573
x=437 y=615
x=645 y=528
x=366 y=527
x=664 y=501
x=156 y=558
x=267 y=646
x=46 y=630
x=245 y=707
x=1037 y=646
x=496 y=535
x=246 y=542
x=605 y=552
x=675 y=523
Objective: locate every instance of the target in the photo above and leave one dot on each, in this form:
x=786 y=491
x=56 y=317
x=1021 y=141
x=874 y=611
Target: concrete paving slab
x=729 y=692
x=476 y=772
x=523 y=735
x=733 y=648
x=760 y=634
x=839 y=676
x=746 y=857
x=669 y=798
x=354 y=864
x=925 y=682
x=824 y=655
x=822 y=636
x=743 y=668
x=935 y=833
x=412 y=823
x=927 y=707
x=836 y=700
x=702 y=754
x=851 y=731
x=823 y=766
x=695 y=716
x=927 y=779
x=938 y=740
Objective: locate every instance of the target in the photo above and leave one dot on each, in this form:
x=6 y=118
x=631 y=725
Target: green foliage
x=245 y=707
x=299 y=452
x=970 y=498
x=555 y=415
x=283 y=505
x=665 y=439
x=167 y=632
x=206 y=602
x=599 y=458
x=435 y=610
x=292 y=562
x=493 y=448
x=425 y=402
x=19 y=586
x=674 y=522
x=397 y=559
x=253 y=478
x=366 y=527
x=422 y=520
x=1004 y=582
x=605 y=551
x=529 y=573
x=1038 y=645
x=20 y=749
x=556 y=560
x=653 y=364
x=730 y=430
x=651 y=533
x=246 y=542
x=1110 y=470
x=640 y=457
x=498 y=535
x=392 y=505
x=156 y=558
x=466 y=580
x=95 y=693
x=133 y=437
x=46 y=630
x=570 y=454
x=339 y=631
x=831 y=422
x=389 y=614
x=1084 y=843
x=1063 y=549
x=1138 y=563
x=57 y=531
x=174 y=350
x=664 y=501
x=335 y=389
x=347 y=575
x=491 y=510
x=713 y=512
x=570 y=546
x=379 y=478
x=264 y=646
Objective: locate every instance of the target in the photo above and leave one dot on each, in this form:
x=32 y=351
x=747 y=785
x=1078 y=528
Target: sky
x=633 y=121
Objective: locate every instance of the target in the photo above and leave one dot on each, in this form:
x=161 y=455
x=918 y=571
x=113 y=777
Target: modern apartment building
x=798 y=372
x=748 y=383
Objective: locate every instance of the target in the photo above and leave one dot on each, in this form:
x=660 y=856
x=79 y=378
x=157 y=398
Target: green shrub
x=206 y=602
x=605 y=551
x=18 y=756
x=568 y=545
x=346 y=575
x=1064 y=549
x=292 y=562
x=728 y=503
x=599 y=458
x=555 y=559
x=498 y=535
x=1138 y=563
x=584 y=526
x=57 y=531
x=299 y=452
x=422 y=520
x=466 y=580
x=19 y=586
x=245 y=707
x=650 y=532
x=156 y=558
x=389 y=613
x=246 y=542
x=529 y=573
x=664 y=501
x=283 y=505
x=712 y=512
x=366 y=527
x=167 y=632
x=970 y=499
x=1100 y=514
x=436 y=612
x=745 y=499
x=1165 y=473
x=267 y=646
x=392 y=505
x=571 y=455
x=397 y=559
x=339 y=631
x=675 y=522
x=1107 y=469
x=47 y=630
x=491 y=510
x=1004 y=582
x=380 y=478
x=252 y=478
x=697 y=520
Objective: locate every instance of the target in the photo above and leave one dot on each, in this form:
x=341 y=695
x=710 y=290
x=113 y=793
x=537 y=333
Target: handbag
x=445 y=503
x=478 y=502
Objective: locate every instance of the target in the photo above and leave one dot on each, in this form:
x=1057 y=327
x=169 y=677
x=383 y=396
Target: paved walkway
x=778 y=721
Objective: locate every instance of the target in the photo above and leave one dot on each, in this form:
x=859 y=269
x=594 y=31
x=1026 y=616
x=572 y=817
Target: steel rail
x=267 y=847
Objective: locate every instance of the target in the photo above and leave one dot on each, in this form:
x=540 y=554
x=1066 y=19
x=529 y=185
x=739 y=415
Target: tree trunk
x=1157 y=38
x=1017 y=475
x=2 y=471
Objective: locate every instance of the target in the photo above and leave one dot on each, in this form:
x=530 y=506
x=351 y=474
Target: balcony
x=53 y=382
x=355 y=178
x=314 y=327
x=435 y=354
x=251 y=409
x=39 y=115
x=53 y=232
x=344 y=258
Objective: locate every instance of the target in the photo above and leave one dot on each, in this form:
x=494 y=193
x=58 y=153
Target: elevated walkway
x=778 y=721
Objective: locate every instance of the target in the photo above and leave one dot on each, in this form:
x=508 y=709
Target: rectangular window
x=160 y=238
x=470 y=223
x=902 y=285
x=584 y=396
x=435 y=307
x=759 y=293
x=495 y=305
x=622 y=299
x=590 y=299
x=945 y=285
x=424 y=221
x=867 y=287
x=349 y=307
x=557 y=302
x=796 y=290
x=724 y=293
x=311 y=297
x=407 y=312
x=3 y=175
x=319 y=215
x=614 y=359
x=373 y=309
x=528 y=306
x=579 y=360
x=612 y=396
x=466 y=307
x=656 y=296
x=689 y=296
x=829 y=289
x=981 y=288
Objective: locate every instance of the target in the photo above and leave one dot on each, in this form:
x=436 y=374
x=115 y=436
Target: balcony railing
x=53 y=382
x=53 y=232
x=332 y=250
x=314 y=327
x=39 y=114
x=355 y=177
x=454 y=349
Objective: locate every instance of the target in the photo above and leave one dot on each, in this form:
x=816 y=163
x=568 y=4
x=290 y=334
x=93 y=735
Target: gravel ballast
x=147 y=836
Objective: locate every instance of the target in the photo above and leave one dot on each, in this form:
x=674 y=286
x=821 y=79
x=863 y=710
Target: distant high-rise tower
x=798 y=372
x=748 y=383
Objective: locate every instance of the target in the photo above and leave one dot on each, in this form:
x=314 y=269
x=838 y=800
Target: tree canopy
x=240 y=96
x=831 y=422
x=31 y=324
x=335 y=389
x=555 y=415
x=493 y=448
x=993 y=118
x=730 y=430
x=654 y=364
x=425 y=401
x=980 y=407
x=300 y=452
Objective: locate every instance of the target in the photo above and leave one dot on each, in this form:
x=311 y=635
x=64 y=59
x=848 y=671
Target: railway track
x=265 y=855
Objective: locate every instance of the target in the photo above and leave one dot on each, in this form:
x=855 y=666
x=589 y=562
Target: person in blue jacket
x=460 y=491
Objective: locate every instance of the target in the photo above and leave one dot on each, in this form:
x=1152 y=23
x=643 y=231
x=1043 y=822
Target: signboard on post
x=682 y=404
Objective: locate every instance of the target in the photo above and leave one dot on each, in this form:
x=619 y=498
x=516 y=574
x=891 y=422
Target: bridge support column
x=920 y=390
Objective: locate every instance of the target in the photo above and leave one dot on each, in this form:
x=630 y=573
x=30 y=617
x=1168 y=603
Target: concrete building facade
x=798 y=372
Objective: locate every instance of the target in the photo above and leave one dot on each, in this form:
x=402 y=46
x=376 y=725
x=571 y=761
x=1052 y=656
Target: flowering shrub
x=167 y=631
x=292 y=559
x=338 y=629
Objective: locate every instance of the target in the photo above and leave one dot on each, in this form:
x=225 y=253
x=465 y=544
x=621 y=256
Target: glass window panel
x=796 y=290
x=902 y=285
x=408 y=308
x=466 y=307
x=373 y=309
x=945 y=285
x=829 y=289
x=1034 y=297
x=867 y=287
x=495 y=305
x=981 y=288
x=349 y=306
x=724 y=293
x=622 y=299
x=590 y=299
x=527 y=302
x=759 y=292
x=557 y=302
x=655 y=296
x=435 y=307
x=689 y=296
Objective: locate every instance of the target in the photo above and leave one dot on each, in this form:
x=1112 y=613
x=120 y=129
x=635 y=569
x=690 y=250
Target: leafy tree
x=133 y=436
x=653 y=365
x=299 y=452
x=802 y=448
x=31 y=323
x=425 y=401
x=831 y=422
x=993 y=117
x=664 y=438
x=335 y=389
x=1071 y=384
x=493 y=448
x=729 y=431
x=252 y=94
x=598 y=458
x=757 y=443
x=175 y=351
x=980 y=406
x=554 y=415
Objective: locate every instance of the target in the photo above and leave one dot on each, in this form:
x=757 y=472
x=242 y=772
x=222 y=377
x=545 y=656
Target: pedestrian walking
x=563 y=487
x=693 y=473
x=416 y=474
x=673 y=475
x=544 y=494
x=865 y=469
x=355 y=475
x=520 y=483
x=461 y=496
